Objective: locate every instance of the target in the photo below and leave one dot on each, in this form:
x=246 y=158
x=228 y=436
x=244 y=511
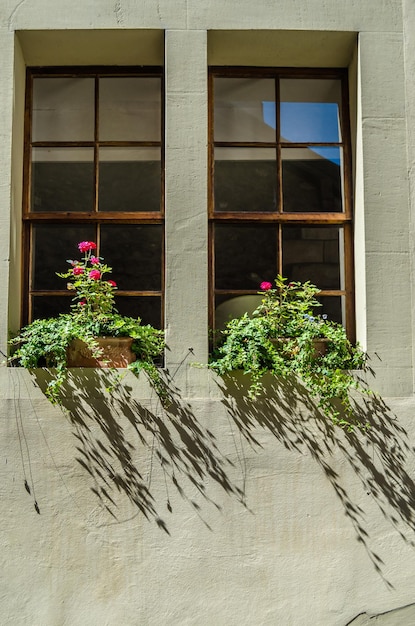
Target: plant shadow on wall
x=379 y=456
x=141 y=454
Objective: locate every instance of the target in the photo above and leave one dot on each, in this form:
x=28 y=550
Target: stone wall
x=217 y=510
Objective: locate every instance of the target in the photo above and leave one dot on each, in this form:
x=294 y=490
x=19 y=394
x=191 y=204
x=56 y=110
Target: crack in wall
x=119 y=13
x=13 y=13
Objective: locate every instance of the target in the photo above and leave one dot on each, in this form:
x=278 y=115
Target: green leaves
x=280 y=337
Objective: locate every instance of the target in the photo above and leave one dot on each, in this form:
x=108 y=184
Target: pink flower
x=265 y=286
x=112 y=283
x=82 y=303
x=77 y=270
x=84 y=246
x=94 y=260
x=95 y=274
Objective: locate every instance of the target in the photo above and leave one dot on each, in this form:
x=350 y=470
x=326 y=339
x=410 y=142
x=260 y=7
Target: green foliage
x=280 y=338
x=44 y=342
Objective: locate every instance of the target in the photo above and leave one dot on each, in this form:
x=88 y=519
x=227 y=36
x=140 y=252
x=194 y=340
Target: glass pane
x=50 y=306
x=245 y=179
x=135 y=254
x=52 y=245
x=129 y=109
x=129 y=179
x=227 y=308
x=245 y=255
x=63 y=109
x=62 y=179
x=310 y=110
x=244 y=109
x=314 y=253
x=148 y=308
x=312 y=179
x=334 y=307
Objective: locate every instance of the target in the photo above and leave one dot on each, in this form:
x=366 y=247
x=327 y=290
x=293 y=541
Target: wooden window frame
x=343 y=219
x=95 y=217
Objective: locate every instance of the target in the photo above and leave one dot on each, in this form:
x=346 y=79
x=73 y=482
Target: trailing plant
x=283 y=336
x=44 y=342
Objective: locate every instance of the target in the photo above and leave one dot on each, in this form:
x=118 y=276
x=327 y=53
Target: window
x=94 y=171
x=279 y=198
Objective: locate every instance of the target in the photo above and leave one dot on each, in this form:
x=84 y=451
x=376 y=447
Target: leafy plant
x=280 y=337
x=44 y=342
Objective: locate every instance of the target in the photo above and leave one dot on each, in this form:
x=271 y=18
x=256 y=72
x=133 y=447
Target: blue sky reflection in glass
x=307 y=122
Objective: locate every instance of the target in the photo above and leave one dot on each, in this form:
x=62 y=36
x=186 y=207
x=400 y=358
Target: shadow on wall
x=172 y=438
x=378 y=456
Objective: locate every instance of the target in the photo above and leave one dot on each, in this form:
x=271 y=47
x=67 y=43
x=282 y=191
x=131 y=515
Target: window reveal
x=94 y=171
x=279 y=197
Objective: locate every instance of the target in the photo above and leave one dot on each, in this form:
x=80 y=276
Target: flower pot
x=319 y=345
x=116 y=352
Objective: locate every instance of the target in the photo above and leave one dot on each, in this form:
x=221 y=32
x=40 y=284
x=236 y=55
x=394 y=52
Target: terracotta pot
x=320 y=345
x=116 y=352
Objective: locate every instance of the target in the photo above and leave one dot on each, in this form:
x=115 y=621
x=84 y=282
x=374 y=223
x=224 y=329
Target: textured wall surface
x=218 y=510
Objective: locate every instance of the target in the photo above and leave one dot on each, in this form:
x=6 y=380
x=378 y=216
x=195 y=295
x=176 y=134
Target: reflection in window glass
x=239 y=109
x=129 y=109
x=62 y=180
x=135 y=253
x=245 y=255
x=129 y=179
x=227 y=308
x=245 y=179
x=334 y=307
x=312 y=179
x=63 y=109
x=48 y=306
x=147 y=308
x=310 y=110
x=314 y=253
x=52 y=245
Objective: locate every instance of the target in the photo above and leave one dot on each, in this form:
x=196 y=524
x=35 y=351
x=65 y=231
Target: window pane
x=245 y=255
x=129 y=179
x=52 y=245
x=227 y=308
x=334 y=307
x=245 y=179
x=62 y=179
x=312 y=179
x=63 y=109
x=134 y=252
x=314 y=253
x=130 y=109
x=310 y=110
x=50 y=306
x=244 y=109
x=148 y=308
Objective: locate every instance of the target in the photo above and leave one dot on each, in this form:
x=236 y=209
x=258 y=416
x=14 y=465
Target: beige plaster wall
x=217 y=511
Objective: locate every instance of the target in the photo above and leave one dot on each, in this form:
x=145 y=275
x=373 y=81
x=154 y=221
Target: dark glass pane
x=130 y=108
x=50 y=306
x=63 y=109
x=313 y=253
x=53 y=244
x=129 y=179
x=62 y=179
x=245 y=255
x=333 y=307
x=135 y=254
x=244 y=109
x=311 y=179
x=245 y=179
x=229 y=307
x=148 y=308
x=310 y=110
